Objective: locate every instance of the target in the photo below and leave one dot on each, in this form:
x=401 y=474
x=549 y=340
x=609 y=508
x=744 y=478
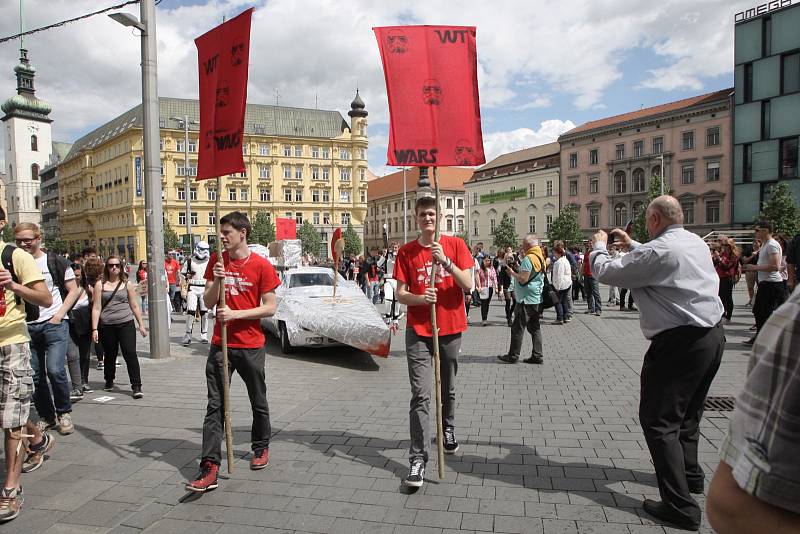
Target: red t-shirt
x=587 y=266
x=413 y=266
x=245 y=281
x=172 y=267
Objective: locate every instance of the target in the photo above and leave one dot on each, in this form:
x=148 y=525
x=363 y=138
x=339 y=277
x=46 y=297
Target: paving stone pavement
x=554 y=448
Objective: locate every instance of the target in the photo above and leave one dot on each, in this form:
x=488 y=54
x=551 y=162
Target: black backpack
x=55 y=264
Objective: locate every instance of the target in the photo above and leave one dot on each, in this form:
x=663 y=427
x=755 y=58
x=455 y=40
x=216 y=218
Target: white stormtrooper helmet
x=201 y=250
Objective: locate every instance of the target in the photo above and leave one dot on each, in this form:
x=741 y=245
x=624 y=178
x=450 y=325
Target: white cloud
x=497 y=143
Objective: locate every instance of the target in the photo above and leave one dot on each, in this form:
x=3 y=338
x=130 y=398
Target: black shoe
x=598 y=312
x=450 y=441
x=662 y=512
x=750 y=341
x=697 y=489
x=137 y=392
x=533 y=360
x=109 y=386
x=588 y=312
x=632 y=308
x=510 y=322
x=416 y=474
x=507 y=359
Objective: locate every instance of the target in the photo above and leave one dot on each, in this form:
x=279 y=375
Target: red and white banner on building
x=432 y=84
x=222 y=59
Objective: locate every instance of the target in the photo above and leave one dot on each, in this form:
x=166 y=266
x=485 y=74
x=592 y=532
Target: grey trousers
x=419 y=353
x=526 y=317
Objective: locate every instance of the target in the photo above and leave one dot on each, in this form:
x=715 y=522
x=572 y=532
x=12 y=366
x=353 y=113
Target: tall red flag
x=432 y=84
x=223 y=55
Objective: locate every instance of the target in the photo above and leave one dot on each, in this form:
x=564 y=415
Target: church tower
x=28 y=145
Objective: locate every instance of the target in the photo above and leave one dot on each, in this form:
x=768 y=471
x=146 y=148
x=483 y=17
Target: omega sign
x=761 y=9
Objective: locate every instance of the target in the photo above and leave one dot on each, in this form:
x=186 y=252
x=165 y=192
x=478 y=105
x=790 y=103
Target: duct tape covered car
x=309 y=315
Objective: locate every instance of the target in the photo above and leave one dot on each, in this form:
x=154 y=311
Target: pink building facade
x=606 y=165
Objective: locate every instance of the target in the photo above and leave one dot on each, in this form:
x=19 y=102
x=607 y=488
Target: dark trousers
x=769 y=296
x=82 y=342
x=510 y=302
x=592 y=289
x=577 y=288
x=526 y=317
x=114 y=337
x=677 y=372
x=622 y=292
x=564 y=304
x=249 y=363
x=485 y=305
x=467 y=303
x=726 y=295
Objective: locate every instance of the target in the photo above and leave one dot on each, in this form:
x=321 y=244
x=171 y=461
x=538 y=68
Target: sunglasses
x=113 y=265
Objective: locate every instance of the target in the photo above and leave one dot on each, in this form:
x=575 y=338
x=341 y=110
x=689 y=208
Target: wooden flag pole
x=223 y=329
x=435 y=342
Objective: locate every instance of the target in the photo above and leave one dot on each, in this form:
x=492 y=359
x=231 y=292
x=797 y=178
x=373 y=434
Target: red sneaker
x=207 y=479
x=260 y=459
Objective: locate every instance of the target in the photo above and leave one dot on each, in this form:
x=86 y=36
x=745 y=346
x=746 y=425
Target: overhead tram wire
x=65 y=22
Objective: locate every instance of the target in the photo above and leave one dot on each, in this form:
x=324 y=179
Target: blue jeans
x=374 y=291
x=564 y=304
x=592 y=289
x=49 y=352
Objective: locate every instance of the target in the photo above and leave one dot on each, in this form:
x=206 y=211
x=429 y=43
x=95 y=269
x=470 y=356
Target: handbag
x=484 y=292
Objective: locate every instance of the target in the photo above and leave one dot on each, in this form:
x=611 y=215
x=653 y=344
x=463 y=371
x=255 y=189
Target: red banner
x=337 y=235
x=432 y=84
x=222 y=60
x=285 y=228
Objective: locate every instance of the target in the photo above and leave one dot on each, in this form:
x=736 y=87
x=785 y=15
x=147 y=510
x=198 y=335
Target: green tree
x=352 y=243
x=782 y=210
x=505 y=235
x=464 y=236
x=309 y=237
x=263 y=229
x=56 y=244
x=171 y=239
x=7 y=234
x=639 y=229
x=566 y=228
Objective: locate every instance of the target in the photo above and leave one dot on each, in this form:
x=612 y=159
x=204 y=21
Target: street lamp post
x=186 y=122
x=153 y=208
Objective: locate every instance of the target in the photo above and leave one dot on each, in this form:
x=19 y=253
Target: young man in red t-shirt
x=250 y=283
x=412 y=270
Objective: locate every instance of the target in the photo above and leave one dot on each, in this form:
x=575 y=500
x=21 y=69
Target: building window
x=449 y=224
x=244 y=149
x=344 y=174
x=211 y=194
x=474 y=199
x=474 y=227
x=345 y=218
x=573 y=187
x=34 y=143
x=263 y=171
x=766 y=37
x=573 y=160
x=363 y=195
x=638 y=149
x=594 y=217
x=326 y=218
x=326 y=154
x=212 y=218
x=344 y=196
x=765 y=110
x=344 y=153
x=658 y=145
x=298 y=217
x=288 y=215
x=231 y=193
x=263 y=150
x=531 y=191
x=180 y=146
x=712 y=136
x=314 y=151
x=594 y=185
x=193 y=145
x=326 y=196
x=287 y=172
x=593 y=157
x=460 y=203
x=448 y=203
x=687 y=174
x=244 y=194
x=315 y=218
x=712 y=171
x=264 y=195
x=315 y=195
x=747 y=163
x=287 y=195
x=492 y=223
x=298 y=195
x=531 y=224
x=788 y=158
x=638 y=180
x=619 y=183
x=687 y=140
x=181 y=218
x=298 y=151
x=34 y=172
x=790 y=73
x=326 y=173
x=620 y=215
x=712 y=211
x=687 y=206
x=298 y=173
x=194 y=218
x=549 y=187
x=619 y=152
x=287 y=151
x=548 y=219
x=362 y=174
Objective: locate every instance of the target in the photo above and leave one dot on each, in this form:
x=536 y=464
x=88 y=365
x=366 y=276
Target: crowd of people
x=55 y=311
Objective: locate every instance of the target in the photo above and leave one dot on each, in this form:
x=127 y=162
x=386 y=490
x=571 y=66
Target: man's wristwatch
x=448 y=266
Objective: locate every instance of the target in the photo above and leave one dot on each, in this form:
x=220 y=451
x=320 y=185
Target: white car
x=310 y=284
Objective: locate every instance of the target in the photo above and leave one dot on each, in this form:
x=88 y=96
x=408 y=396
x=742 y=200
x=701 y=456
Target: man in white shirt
x=771 y=291
x=49 y=331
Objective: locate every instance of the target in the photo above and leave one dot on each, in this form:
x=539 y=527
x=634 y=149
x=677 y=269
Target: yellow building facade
x=304 y=164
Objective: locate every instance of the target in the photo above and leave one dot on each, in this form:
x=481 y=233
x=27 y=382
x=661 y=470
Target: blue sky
x=544 y=66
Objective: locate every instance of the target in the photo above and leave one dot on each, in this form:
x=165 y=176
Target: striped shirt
x=763 y=442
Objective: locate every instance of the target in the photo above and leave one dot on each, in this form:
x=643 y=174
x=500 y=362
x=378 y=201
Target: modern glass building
x=767 y=106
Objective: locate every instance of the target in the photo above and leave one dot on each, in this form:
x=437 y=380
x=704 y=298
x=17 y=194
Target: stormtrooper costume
x=194 y=270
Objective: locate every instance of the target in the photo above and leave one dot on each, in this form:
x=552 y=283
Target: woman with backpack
x=114 y=308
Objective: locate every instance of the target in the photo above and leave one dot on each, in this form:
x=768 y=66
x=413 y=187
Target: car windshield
x=310 y=279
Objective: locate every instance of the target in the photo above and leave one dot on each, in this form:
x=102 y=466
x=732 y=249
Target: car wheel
x=286 y=347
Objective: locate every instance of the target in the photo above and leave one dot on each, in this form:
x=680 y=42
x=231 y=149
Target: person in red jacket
x=453 y=276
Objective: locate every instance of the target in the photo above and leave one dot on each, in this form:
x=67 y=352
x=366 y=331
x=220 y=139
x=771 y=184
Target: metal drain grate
x=719 y=404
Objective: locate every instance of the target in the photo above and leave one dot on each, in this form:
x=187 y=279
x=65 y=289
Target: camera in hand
x=611 y=238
